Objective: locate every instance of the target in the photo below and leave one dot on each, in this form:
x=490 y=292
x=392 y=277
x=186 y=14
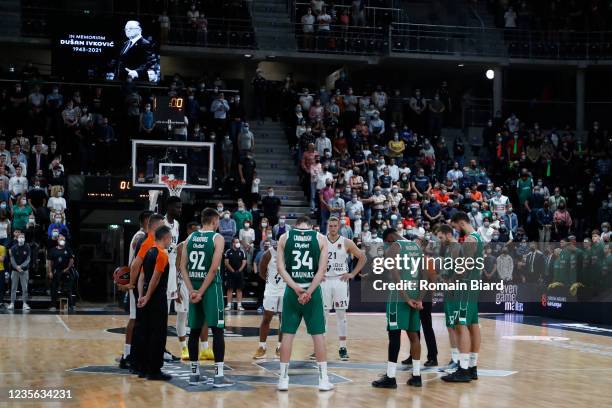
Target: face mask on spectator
x=343 y=221
x=226 y=216
x=24 y=201
x=486 y=224
x=61 y=242
x=220 y=209
x=247 y=225
x=237 y=245
x=264 y=224
x=3 y=206
x=21 y=240
x=270 y=193
x=54 y=234
x=269 y=236
x=58 y=220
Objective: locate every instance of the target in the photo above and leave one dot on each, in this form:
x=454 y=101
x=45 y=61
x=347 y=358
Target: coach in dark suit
x=37 y=161
x=535 y=264
x=137 y=58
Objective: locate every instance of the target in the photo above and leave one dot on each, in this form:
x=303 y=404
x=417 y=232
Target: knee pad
x=181 y=324
x=342 y=323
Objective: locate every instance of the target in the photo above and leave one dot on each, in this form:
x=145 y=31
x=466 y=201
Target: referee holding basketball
x=154 y=305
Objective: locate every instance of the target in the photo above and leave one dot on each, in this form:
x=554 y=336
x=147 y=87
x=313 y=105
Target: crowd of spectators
x=381 y=160
x=50 y=130
x=339 y=26
x=34 y=225
x=570 y=15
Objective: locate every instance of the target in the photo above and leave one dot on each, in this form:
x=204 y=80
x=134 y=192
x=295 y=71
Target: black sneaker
x=415 y=381
x=407 y=362
x=168 y=356
x=160 y=376
x=461 y=375
x=343 y=354
x=473 y=373
x=431 y=363
x=124 y=364
x=384 y=382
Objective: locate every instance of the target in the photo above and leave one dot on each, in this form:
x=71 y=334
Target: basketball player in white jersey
x=273 y=299
x=138 y=237
x=176 y=291
x=206 y=352
x=335 y=286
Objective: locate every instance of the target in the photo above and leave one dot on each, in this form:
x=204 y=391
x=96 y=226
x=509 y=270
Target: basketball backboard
x=189 y=161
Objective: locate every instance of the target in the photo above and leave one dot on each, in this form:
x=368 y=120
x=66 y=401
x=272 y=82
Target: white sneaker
x=26 y=306
x=240 y=308
x=10 y=306
x=228 y=308
x=325 y=385
x=283 y=384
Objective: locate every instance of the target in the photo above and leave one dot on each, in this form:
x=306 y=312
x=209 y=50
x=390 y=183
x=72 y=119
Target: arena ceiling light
x=248 y=56
x=490 y=74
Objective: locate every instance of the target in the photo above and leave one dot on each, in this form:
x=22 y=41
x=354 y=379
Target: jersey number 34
x=305 y=260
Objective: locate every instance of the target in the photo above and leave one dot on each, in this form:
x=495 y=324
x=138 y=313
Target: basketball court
x=525 y=361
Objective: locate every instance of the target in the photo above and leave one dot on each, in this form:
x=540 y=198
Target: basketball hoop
x=174 y=185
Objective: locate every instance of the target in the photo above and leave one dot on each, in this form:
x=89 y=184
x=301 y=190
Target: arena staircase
x=276 y=167
x=273 y=27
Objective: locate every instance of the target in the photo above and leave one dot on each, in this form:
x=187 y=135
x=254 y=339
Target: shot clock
x=169 y=109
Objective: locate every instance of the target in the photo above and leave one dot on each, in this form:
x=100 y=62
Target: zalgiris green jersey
x=302 y=254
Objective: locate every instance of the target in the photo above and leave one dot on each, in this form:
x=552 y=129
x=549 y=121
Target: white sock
x=203 y=345
x=391 y=369
x=473 y=359
x=183 y=344
x=195 y=367
x=219 y=369
x=278 y=346
x=464 y=359
x=455 y=355
x=342 y=343
x=322 y=370
x=263 y=345
x=284 y=370
x=126 y=350
x=416 y=367
x=239 y=304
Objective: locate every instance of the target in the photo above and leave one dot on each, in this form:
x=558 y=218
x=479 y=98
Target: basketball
x=121 y=275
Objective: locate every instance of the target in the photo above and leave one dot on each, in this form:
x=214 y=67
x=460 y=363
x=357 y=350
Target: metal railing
x=374 y=16
x=495 y=42
x=343 y=40
x=549 y=114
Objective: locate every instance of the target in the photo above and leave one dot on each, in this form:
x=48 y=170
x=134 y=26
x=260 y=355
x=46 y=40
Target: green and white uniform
x=467 y=312
x=400 y=316
x=200 y=248
x=451 y=298
x=302 y=254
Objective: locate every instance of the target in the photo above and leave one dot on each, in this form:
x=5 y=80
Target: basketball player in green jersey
x=302 y=267
x=466 y=325
x=200 y=271
x=449 y=249
x=402 y=309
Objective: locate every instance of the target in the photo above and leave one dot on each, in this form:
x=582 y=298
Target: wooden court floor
x=37 y=350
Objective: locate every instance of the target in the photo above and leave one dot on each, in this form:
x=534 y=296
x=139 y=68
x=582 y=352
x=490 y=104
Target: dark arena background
x=387 y=123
